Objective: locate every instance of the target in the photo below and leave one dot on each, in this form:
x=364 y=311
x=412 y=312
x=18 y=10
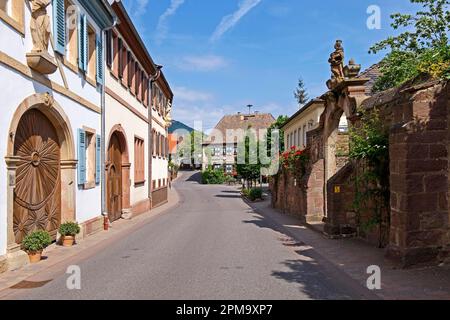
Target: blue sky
x=220 y=55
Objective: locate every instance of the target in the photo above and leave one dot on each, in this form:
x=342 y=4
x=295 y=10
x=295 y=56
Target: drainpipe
x=103 y=131
x=153 y=78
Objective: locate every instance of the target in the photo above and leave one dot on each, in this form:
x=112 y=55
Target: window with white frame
x=89 y=165
x=71 y=32
x=12 y=12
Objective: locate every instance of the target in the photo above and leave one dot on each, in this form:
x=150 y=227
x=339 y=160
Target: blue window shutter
x=80 y=43
x=99 y=50
x=59 y=26
x=85 y=42
x=81 y=156
x=98 y=163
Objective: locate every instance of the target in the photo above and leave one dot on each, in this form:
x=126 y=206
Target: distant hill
x=179 y=125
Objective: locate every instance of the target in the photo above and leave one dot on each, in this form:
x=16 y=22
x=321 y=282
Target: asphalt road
x=211 y=246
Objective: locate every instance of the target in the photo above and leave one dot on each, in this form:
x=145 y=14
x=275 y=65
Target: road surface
x=211 y=246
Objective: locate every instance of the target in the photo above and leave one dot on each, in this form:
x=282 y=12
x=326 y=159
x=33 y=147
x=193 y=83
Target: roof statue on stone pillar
x=337 y=65
x=339 y=72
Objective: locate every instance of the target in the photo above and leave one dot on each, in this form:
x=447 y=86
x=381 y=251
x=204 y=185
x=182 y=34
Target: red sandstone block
x=425 y=202
x=436 y=183
x=426 y=136
x=438 y=150
x=419 y=166
x=424 y=238
x=418 y=151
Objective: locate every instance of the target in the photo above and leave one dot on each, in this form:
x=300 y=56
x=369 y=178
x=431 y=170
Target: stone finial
x=352 y=69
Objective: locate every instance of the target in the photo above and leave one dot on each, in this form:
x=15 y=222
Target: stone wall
x=419 y=166
x=417 y=118
x=288 y=195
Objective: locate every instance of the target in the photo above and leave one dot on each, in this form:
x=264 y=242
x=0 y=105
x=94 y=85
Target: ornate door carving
x=37 y=194
x=114 y=192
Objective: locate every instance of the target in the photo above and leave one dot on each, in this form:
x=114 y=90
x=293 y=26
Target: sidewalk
x=57 y=258
x=353 y=256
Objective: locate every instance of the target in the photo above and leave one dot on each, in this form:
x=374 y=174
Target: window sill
x=139 y=183
x=91 y=81
x=19 y=27
x=70 y=65
x=89 y=185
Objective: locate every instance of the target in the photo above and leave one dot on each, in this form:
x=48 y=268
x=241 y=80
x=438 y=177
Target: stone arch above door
x=55 y=114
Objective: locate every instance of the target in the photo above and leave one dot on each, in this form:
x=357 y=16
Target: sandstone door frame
x=125 y=167
x=45 y=103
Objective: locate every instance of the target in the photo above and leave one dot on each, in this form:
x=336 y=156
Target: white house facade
x=52 y=75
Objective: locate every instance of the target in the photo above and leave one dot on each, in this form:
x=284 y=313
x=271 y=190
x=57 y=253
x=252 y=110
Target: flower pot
x=35 y=257
x=68 y=241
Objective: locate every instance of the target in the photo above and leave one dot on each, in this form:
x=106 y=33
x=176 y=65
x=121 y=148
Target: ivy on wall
x=369 y=148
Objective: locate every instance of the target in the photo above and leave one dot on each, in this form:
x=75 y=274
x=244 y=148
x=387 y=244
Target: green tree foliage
x=422 y=49
x=250 y=168
x=190 y=149
x=211 y=176
x=300 y=93
x=369 y=147
x=281 y=120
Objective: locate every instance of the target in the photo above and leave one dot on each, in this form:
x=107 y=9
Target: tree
x=190 y=149
x=423 y=49
x=250 y=169
x=281 y=120
x=300 y=93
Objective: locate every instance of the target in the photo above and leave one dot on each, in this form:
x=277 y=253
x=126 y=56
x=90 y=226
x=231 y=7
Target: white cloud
x=163 y=26
x=202 y=63
x=187 y=95
x=231 y=20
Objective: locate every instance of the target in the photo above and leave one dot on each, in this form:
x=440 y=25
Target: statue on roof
x=40 y=25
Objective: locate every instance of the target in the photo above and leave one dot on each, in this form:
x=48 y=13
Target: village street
x=211 y=245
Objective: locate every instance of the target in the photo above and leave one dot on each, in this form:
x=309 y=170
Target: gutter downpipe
x=153 y=78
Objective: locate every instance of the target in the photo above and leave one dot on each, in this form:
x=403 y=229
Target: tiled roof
x=372 y=73
x=255 y=121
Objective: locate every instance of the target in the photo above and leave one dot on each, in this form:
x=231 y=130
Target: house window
x=12 y=12
x=304 y=136
x=92 y=56
x=139 y=161
x=229 y=168
x=115 y=49
x=5 y=6
x=299 y=137
x=89 y=165
x=71 y=33
x=109 y=48
x=230 y=151
x=218 y=151
x=295 y=138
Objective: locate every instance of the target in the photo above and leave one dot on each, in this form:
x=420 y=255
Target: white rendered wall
x=16 y=87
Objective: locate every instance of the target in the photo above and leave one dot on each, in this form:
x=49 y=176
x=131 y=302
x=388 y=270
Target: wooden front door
x=114 y=184
x=37 y=194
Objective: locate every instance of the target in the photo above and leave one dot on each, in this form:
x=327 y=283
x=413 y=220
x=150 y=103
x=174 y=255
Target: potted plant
x=68 y=231
x=35 y=243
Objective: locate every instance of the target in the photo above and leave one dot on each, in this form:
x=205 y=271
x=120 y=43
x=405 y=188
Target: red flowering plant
x=295 y=160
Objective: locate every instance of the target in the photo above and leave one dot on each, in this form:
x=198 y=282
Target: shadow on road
x=316 y=277
x=196 y=177
x=229 y=196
